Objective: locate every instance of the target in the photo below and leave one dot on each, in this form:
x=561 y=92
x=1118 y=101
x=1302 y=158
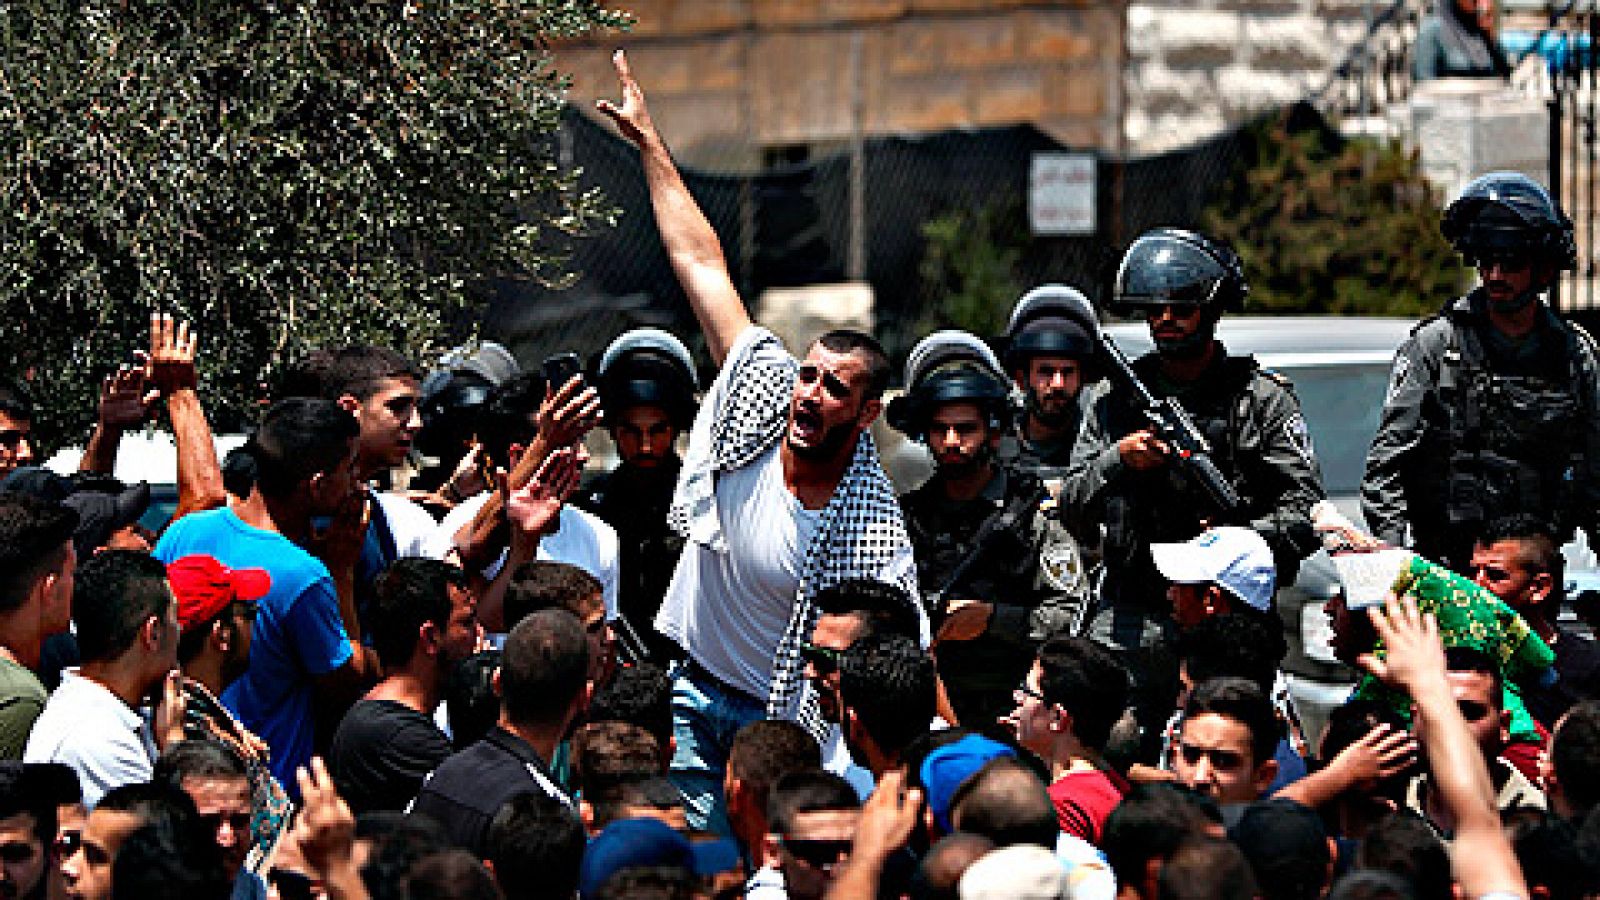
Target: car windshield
x=1341 y=404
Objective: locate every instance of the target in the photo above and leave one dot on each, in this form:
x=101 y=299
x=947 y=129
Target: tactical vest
x=1515 y=442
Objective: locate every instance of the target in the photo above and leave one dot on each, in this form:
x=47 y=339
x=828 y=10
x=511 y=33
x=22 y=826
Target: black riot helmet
x=950 y=367
x=1050 y=320
x=453 y=393
x=648 y=367
x=1173 y=266
x=1508 y=214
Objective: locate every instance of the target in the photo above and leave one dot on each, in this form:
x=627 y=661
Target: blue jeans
x=706 y=714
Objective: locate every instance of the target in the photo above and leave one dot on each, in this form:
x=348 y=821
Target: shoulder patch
x=1397 y=377
x=1298 y=434
x=1278 y=378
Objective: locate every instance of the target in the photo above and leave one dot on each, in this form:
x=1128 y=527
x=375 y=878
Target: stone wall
x=1196 y=67
x=727 y=77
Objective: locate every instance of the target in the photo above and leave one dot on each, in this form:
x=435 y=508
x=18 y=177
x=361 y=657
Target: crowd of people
x=751 y=668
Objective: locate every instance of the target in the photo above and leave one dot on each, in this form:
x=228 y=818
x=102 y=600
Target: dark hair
x=810 y=790
x=545 y=584
x=1575 y=754
x=409 y=594
x=1234 y=644
x=359 y=370
x=889 y=681
x=1354 y=720
x=939 y=873
x=170 y=857
x=34 y=537
x=15 y=399
x=300 y=438
x=766 y=750
x=1547 y=849
x=1149 y=823
x=1371 y=885
x=1405 y=845
x=197 y=759
x=649 y=883
x=116 y=592
x=543 y=667
x=1471 y=659
x=398 y=841
x=469 y=697
x=844 y=340
x=608 y=752
x=535 y=844
x=1007 y=803
x=883 y=608
x=613 y=801
x=1206 y=868
x=639 y=695
x=152 y=803
x=1541 y=551
x=1087 y=681
x=1287 y=846
x=1243 y=702
x=450 y=874
x=506 y=416
x=37 y=789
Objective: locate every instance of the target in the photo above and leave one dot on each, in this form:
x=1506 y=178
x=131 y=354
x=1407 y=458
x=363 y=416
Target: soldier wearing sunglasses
x=1492 y=404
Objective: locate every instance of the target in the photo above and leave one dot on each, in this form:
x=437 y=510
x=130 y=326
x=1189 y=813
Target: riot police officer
x=1048 y=353
x=999 y=574
x=1125 y=478
x=647 y=385
x=1491 y=407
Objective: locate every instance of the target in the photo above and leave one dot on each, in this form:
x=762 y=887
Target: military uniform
x=634 y=501
x=1476 y=425
x=1029 y=569
x=1260 y=443
x=1046 y=460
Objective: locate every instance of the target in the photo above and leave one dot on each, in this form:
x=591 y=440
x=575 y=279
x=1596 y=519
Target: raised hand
x=325 y=830
x=632 y=117
x=124 y=401
x=169 y=363
x=568 y=412
x=532 y=507
x=1415 y=656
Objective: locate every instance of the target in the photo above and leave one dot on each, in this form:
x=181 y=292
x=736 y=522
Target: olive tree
x=283 y=173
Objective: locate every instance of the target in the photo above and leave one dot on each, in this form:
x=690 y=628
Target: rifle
x=1190 y=449
x=1003 y=518
x=631 y=649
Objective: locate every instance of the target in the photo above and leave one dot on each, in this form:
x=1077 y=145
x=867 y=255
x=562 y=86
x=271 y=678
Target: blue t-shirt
x=299 y=633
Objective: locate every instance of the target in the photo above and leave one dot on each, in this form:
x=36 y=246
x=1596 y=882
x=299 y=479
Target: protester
x=886 y=699
x=216 y=780
x=27 y=831
x=763 y=753
x=36 y=576
x=781 y=494
x=302 y=640
x=542 y=688
x=423 y=625
x=1226 y=742
x=16 y=427
x=812 y=820
x=127 y=630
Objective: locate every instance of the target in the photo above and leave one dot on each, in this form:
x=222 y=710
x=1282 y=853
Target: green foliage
x=969 y=267
x=284 y=173
x=1331 y=226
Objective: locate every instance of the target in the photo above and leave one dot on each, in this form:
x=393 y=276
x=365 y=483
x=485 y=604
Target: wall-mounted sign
x=1061 y=194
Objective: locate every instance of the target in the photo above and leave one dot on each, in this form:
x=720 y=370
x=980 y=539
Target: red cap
x=205 y=587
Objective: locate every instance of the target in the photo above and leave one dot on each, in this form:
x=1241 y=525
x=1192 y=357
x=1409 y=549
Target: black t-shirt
x=381 y=753
x=467 y=789
x=1577 y=666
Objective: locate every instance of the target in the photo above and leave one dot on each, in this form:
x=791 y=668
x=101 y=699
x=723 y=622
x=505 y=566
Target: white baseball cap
x=1236 y=559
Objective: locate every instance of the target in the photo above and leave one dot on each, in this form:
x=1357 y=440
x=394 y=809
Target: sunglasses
x=1506 y=262
x=1220 y=759
x=238 y=822
x=16 y=853
x=11 y=437
x=824 y=659
x=1023 y=690
x=818 y=854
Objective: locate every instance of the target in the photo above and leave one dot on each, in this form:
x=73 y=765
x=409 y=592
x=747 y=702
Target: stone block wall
x=1198 y=66
x=727 y=77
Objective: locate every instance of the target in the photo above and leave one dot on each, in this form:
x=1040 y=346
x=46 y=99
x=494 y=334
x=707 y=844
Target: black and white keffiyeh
x=860 y=533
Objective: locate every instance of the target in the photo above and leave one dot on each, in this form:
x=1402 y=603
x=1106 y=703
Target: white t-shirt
x=411 y=526
x=90 y=729
x=582 y=540
x=729 y=609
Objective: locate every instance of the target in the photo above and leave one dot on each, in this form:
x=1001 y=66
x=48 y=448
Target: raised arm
x=1481 y=855
x=170 y=368
x=691 y=244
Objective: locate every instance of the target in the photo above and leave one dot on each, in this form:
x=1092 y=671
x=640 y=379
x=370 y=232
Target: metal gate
x=1567 y=45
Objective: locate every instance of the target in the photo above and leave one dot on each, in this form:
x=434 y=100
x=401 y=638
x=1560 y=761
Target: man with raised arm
x=781 y=495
